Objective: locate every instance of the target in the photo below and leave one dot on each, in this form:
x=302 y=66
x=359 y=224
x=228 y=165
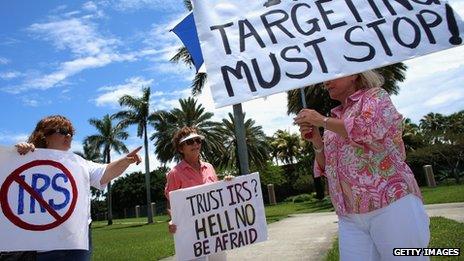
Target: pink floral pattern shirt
x=367 y=170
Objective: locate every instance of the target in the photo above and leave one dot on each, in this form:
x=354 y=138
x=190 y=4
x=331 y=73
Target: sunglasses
x=62 y=131
x=191 y=141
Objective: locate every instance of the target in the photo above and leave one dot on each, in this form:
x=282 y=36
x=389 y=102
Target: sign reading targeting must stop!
x=44 y=200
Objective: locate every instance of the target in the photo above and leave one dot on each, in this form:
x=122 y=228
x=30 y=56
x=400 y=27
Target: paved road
x=309 y=236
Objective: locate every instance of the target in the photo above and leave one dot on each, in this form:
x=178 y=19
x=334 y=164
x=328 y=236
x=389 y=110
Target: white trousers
x=373 y=235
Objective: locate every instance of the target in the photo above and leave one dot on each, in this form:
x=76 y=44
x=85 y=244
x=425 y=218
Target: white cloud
x=34 y=100
x=132 y=86
x=429 y=88
x=8 y=41
x=445 y=97
x=8 y=138
x=30 y=102
x=76 y=146
x=72 y=13
x=66 y=70
x=173 y=71
x=132 y=5
x=59 y=9
x=167 y=43
x=90 y=6
x=435 y=63
x=10 y=75
x=3 y=60
x=90 y=49
x=78 y=35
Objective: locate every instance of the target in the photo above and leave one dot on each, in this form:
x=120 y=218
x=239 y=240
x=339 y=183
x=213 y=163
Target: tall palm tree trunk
x=108 y=197
x=147 y=176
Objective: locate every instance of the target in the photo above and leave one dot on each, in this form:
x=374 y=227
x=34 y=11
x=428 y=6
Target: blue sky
x=76 y=58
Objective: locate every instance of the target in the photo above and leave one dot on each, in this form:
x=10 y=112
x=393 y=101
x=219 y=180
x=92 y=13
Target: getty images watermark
x=426 y=251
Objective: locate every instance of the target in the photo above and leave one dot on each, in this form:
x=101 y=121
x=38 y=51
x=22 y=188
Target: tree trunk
x=456 y=172
x=319 y=187
x=108 y=195
x=147 y=176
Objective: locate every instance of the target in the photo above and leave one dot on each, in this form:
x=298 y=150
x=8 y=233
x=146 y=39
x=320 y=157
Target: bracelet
x=318 y=150
x=325 y=120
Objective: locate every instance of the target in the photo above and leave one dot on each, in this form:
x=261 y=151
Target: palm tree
x=274 y=149
x=454 y=132
x=90 y=153
x=433 y=127
x=412 y=137
x=318 y=98
x=109 y=138
x=256 y=140
x=287 y=146
x=189 y=114
x=138 y=113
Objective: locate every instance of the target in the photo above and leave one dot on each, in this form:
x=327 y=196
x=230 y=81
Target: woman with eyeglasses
x=190 y=171
x=56 y=132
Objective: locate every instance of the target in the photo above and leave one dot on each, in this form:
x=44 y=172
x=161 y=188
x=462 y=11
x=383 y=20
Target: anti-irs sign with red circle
x=39 y=195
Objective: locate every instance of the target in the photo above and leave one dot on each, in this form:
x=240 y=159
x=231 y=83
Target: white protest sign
x=262 y=47
x=218 y=216
x=44 y=201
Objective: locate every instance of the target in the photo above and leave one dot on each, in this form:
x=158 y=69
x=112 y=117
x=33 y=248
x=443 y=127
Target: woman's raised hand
x=308 y=116
x=24 y=147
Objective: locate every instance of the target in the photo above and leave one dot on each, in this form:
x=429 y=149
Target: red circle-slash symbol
x=14 y=177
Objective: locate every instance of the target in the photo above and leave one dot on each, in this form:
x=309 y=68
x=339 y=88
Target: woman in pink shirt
x=362 y=154
x=191 y=171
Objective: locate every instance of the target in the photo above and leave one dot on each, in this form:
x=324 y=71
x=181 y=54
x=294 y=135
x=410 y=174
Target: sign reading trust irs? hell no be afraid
x=218 y=216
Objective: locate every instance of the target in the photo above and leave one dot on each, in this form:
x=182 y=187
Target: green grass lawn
x=133 y=239
x=445 y=233
x=283 y=210
x=443 y=194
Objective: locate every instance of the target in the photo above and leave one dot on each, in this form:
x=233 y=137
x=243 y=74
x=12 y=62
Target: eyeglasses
x=62 y=131
x=191 y=141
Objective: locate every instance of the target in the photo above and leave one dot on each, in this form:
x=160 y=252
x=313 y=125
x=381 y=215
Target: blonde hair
x=369 y=79
x=46 y=125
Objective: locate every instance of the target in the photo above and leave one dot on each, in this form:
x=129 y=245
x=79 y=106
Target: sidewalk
x=298 y=237
x=310 y=236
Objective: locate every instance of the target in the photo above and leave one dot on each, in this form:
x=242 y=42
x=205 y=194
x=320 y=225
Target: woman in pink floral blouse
x=362 y=154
